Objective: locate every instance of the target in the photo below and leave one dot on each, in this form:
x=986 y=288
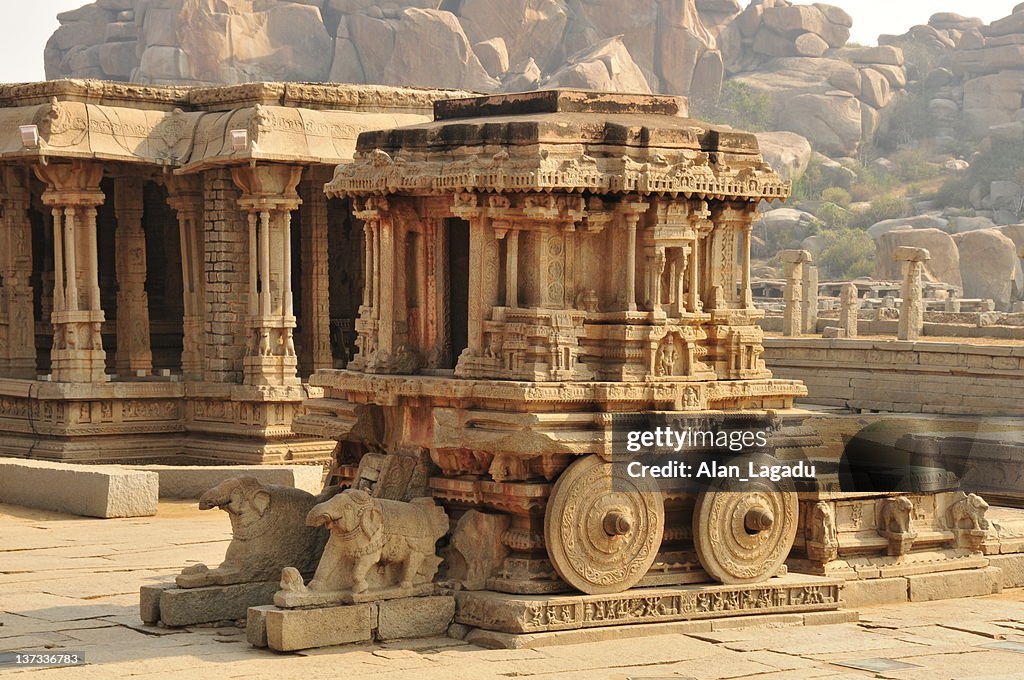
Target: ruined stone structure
x=172 y=268
x=797 y=316
x=849 y=306
x=912 y=309
x=536 y=264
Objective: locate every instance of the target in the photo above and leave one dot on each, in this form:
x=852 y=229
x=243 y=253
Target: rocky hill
x=792 y=53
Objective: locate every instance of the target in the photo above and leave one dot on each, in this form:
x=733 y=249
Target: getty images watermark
x=689 y=453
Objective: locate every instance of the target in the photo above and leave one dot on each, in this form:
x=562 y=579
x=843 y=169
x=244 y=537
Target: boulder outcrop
x=485 y=45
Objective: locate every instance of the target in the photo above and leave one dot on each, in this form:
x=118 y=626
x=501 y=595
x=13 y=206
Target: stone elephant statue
x=368 y=532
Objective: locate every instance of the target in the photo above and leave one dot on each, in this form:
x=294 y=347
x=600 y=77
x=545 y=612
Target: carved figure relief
x=895 y=521
x=667 y=357
x=822 y=534
x=968 y=521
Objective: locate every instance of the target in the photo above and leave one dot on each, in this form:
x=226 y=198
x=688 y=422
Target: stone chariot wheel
x=602 y=528
x=743 y=531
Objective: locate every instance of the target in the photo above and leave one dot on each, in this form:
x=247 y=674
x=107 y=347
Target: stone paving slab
x=945 y=638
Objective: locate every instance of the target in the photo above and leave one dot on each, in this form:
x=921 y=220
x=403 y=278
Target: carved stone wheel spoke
x=602 y=528
x=743 y=531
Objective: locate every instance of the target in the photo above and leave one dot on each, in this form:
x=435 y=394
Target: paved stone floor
x=70 y=583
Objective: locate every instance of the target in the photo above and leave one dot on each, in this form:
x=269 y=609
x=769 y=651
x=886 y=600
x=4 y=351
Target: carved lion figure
x=367 y=531
x=269 y=532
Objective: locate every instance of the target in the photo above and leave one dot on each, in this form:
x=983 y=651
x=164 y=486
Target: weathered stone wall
x=227 y=271
x=904 y=377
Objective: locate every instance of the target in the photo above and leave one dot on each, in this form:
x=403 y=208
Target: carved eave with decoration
x=561 y=141
x=189 y=129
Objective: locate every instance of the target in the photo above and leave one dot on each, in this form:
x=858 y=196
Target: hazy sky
x=25 y=25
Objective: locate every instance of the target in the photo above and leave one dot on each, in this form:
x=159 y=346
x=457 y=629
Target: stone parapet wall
x=904 y=377
x=1006 y=331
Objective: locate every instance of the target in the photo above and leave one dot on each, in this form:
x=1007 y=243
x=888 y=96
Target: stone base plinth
x=287 y=630
x=495 y=640
x=154 y=419
x=537 y=613
x=177 y=607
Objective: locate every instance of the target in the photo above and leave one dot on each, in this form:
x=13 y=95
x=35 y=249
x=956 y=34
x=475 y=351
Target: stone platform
x=505 y=613
x=287 y=630
x=175 y=607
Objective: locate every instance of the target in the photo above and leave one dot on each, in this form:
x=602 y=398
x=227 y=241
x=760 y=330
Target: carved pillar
x=185 y=196
x=794 y=261
x=19 y=359
x=512 y=269
x=849 y=304
x=911 y=322
x=316 y=306
x=809 y=309
x=732 y=230
x=134 y=355
x=386 y=295
x=269 y=197
x=746 y=294
x=632 y=219
x=366 y=324
x=72 y=194
x=632 y=209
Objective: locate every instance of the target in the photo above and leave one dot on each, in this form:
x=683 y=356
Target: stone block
x=256 y=625
x=413 y=617
x=1012 y=567
x=831 y=618
x=149 y=601
x=953 y=584
x=874 y=592
x=195 y=480
x=294 y=629
x=88 y=490
x=189 y=606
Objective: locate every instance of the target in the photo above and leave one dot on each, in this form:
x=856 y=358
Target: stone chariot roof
x=561 y=140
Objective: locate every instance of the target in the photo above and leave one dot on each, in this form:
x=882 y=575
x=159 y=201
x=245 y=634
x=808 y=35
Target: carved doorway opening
x=458 y=286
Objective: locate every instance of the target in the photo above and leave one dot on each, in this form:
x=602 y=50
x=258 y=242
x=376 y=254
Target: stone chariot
x=535 y=264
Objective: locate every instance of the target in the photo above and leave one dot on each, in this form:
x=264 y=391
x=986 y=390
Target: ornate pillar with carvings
x=316 y=305
x=185 y=196
x=733 y=224
x=134 y=355
x=632 y=209
x=72 y=194
x=269 y=197
x=19 y=360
